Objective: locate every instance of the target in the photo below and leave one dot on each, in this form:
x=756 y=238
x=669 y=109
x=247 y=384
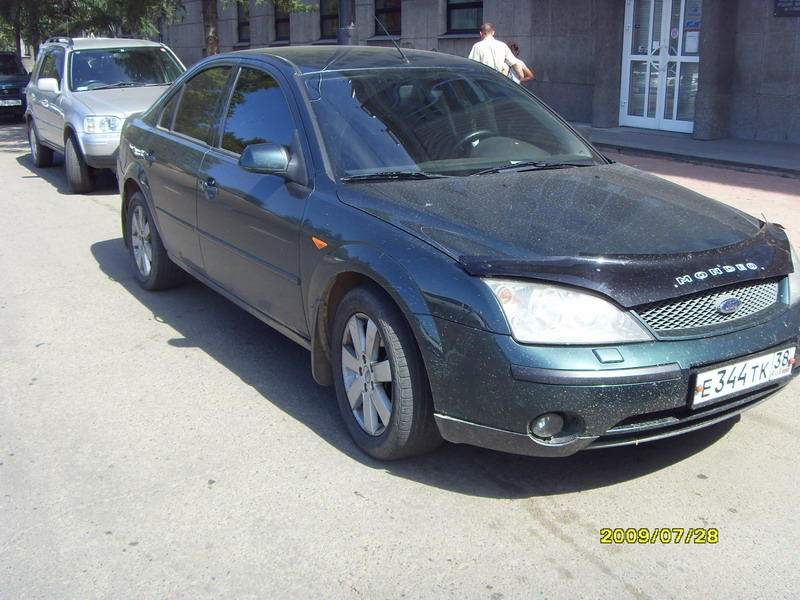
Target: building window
x=281 y=25
x=464 y=16
x=388 y=13
x=328 y=19
x=243 y=22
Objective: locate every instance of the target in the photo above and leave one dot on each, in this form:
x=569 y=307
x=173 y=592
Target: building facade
x=712 y=68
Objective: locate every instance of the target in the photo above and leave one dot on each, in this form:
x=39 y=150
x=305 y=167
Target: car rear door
x=249 y=223
x=172 y=155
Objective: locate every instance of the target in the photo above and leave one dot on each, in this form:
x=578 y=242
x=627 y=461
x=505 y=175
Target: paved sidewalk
x=780 y=158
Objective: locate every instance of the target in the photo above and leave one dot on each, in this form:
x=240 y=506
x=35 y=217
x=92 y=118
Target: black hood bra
x=613 y=229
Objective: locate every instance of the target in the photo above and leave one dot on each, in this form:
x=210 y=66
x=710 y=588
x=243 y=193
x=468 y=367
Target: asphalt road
x=168 y=445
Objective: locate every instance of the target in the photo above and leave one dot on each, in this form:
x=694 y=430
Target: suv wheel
x=152 y=267
x=40 y=155
x=78 y=175
x=381 y=385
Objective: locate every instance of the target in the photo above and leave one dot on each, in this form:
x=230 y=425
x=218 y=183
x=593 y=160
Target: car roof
x=89 y=43
x=309 y=59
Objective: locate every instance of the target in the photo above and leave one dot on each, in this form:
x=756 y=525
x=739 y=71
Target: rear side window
x=257 y=113
x=199 y=105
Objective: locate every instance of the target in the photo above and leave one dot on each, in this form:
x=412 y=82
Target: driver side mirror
x=272 y=159
x=48 y=84
x=276 y=159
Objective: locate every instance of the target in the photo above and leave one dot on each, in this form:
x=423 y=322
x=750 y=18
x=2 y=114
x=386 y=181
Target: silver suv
x=81 y=91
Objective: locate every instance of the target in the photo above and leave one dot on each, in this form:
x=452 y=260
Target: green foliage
x=290 y=5
x=37 y=20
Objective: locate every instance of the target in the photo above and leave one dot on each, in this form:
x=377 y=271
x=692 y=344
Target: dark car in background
x=13 y=79
x=459 y=262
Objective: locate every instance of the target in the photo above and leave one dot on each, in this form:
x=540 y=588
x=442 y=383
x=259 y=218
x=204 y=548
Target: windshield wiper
x=534 y=165
x=119 y=84
x=392 y=175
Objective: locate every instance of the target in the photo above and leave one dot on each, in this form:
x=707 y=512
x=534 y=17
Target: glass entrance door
x=660 y=60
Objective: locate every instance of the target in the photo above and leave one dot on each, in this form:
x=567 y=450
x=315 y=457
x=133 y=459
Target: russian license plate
x=731 y=379
x=10 y=102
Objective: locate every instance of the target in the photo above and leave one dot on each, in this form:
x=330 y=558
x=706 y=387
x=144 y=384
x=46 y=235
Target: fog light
x=547 y=425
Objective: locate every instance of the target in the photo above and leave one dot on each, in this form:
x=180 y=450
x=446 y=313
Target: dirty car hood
x=611 y=228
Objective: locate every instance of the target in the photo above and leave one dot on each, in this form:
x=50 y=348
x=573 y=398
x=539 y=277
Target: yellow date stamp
x=659 y=535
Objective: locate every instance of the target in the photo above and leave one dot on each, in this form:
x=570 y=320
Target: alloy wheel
x=367 y=374
x=141 y=241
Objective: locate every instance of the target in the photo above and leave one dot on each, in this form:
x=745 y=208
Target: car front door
x=46 y=106
x=249 y=223
x=172 y=155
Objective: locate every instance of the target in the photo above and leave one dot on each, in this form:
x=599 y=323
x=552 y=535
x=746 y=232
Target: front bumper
x=489 y=395
x=16 y=109
x=100 y=149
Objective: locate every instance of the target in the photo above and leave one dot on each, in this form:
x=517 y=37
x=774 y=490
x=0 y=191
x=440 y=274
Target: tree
x=36 y=20
x=211 y=18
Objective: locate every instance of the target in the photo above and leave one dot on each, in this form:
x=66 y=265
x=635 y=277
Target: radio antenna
x=391 y=38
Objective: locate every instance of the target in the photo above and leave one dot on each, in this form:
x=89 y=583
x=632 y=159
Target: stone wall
x=575 y=48
x=766 y=84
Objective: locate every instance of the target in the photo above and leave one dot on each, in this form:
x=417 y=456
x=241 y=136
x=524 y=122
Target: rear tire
x=152 y=267
x=41 y=156
x=78 y=174
x=381 y=384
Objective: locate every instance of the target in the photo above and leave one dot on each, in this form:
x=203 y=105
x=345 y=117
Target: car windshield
x=10 y=65
x=121 y=67
x=436 y=122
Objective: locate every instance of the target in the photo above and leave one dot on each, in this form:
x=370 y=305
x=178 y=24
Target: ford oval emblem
x=729 y=305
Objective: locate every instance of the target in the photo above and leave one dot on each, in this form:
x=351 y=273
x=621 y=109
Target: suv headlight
x=96 y=124
x=539 y=313
x=794 y=279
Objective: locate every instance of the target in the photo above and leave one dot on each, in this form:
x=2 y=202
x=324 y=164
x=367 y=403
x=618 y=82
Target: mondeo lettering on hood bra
x=716 y=272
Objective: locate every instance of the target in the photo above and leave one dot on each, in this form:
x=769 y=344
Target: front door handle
x=141 y=153
x=210 y=187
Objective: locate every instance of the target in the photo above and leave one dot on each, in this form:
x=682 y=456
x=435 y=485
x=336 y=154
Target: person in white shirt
x=495 y=53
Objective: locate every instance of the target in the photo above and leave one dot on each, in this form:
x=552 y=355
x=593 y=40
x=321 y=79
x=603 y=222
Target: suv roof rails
x=62 y=39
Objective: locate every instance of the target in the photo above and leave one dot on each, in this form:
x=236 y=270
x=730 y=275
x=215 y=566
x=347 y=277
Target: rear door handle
x=210 y=187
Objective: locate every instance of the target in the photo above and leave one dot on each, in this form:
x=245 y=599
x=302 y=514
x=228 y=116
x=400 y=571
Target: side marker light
x=320 y=244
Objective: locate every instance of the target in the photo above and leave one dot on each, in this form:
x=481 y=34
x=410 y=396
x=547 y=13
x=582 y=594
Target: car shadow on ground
x=14 y=141
x=280 y=371
x=13 y=137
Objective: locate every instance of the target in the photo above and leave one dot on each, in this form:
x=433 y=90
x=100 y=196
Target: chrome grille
x=700 y=310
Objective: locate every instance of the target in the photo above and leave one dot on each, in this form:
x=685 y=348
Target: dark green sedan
x=459 y=262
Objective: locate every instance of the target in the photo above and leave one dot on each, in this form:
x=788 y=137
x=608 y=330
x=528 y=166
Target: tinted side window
x=200 y=102
x=257 y=113
x=169 y=111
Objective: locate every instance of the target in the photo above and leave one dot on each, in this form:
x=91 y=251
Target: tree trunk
x=18 y=37
x=210 y=21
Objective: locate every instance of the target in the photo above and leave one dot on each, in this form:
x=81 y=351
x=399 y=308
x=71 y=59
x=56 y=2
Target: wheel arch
x=366 y=265
x=129 y=187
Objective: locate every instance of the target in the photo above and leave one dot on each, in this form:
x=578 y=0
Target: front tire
x=381 y=385
x=78 y=174
x=152 y=267
x=41 y=156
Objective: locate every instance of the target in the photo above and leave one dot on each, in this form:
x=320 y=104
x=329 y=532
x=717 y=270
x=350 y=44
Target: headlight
x=794 y=279
x=539 y=313
x=101 y=124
